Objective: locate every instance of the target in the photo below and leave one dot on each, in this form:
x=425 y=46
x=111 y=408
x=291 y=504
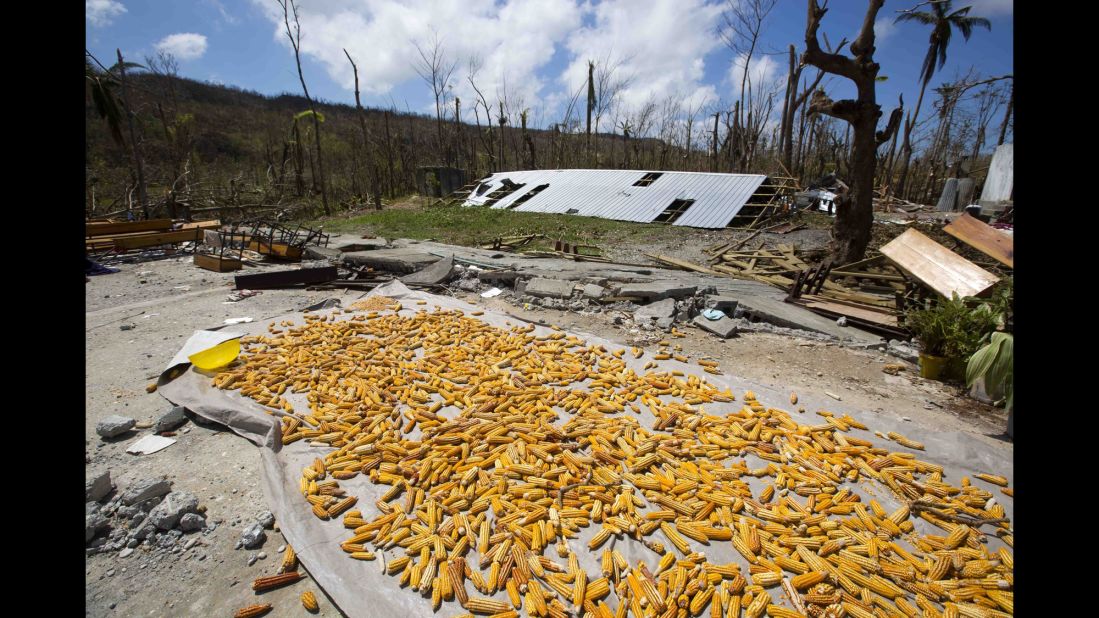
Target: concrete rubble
x=114 y=426
x=146 y=516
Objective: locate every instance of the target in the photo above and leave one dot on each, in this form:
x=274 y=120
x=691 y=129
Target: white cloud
x=183 y=45
x=225 y=15
x=513 y=41
x=763 y=72
x=663 y=44
x=102 y=12
x=884 y=28
x=988 y=8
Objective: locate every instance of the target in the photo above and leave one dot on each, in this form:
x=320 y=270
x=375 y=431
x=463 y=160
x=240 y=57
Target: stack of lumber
x=128 y=235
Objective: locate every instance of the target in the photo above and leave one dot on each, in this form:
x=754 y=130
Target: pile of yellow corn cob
x=552 y=435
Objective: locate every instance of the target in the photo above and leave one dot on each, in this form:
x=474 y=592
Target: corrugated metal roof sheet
x=611 y=194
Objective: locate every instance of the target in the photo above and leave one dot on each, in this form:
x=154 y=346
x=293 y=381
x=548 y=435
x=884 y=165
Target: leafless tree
x=436 y=71
x=851 y=233
x=135 y=149
x=740 y=27
x=371 y=154
x=289 y=7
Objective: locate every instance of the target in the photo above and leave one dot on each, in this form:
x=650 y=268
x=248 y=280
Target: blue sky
x=535 y=49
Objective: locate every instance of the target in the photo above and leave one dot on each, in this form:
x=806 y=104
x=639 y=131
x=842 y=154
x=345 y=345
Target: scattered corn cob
x=309 y=601
x=275 y=581
x=252 y=611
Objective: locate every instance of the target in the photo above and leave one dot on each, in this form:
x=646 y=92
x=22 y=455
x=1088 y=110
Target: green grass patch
x=472 y=226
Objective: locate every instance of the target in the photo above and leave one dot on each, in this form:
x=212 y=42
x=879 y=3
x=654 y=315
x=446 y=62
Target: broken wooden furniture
x=227 y=251
x=283 y=243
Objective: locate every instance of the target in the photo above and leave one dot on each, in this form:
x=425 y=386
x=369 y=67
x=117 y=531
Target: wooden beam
x=151 y=240
x=684 y=264
x=286 y=278
x=126 y=227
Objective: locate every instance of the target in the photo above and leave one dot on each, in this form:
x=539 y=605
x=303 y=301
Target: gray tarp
x=361 y=589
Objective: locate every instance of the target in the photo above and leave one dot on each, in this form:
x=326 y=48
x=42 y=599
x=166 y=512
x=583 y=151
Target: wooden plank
x=684 y=264
x=984 y=238
x=866 y=315
x=936 y=266
x=126 y=227
x=867 y=275
x=202 y=225
x=152 y=240
x=285 y=278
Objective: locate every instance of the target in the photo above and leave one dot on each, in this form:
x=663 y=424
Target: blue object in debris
x=713 y=314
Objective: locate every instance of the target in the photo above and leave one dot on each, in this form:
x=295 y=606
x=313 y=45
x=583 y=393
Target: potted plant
x=949 y=333
x=929 y=328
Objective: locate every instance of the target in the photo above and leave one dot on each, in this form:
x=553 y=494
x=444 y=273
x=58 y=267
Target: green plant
x=952 y=328
x=995 y=363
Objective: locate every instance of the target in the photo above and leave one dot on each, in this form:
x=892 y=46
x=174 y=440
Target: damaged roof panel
x=613 y=194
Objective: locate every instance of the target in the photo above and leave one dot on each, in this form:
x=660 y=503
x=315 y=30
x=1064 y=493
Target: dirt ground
x=162 y=302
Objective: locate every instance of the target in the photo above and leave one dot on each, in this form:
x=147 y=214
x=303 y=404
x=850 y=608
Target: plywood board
x=984 y=238
x=936 y=266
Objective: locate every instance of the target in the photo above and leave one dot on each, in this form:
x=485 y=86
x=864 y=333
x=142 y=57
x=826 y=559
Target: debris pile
x=148 y=516
x=550 y=441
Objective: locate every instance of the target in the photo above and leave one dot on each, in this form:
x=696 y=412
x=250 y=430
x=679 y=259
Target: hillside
x=223 y=145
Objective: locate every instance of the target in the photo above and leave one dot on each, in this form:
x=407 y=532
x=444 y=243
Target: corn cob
x=289 y=561
x=274 y=581
x=486 y=606
x=252 y=611
x=309 y=601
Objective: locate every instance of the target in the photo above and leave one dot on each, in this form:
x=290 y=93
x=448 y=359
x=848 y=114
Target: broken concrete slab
x=785 y=314
x=727 y=304
x=391 y=260
x=96 y=488
x=724 y=327
x=313 y=252
x=175 y=505
x=438 y=272
x=594 y=291
x=660 y=310
x=171 y=419
x=553 y=288
x=658 y=289
x=359 y=244
x=507 y=276
x=145 y=490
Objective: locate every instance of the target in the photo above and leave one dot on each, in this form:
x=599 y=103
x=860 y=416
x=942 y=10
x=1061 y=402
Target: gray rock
x=469 y=285
x=266 y=519
x=252 y=537
x=724 y=328
x=91 y=508
x=145 y=532
x=552 y=288
x=125 y=553
x=146 y=489
x=175 y=505
x=262 y=555
x=842 y=321
x=252 y=559
x=114 y=425
x=97 y=488
x=594 y=291
x=133 y=542
x=191 y=521
x=658 y=290
x=171 y=419
x=92 y=525
x=903 y=351
x=655 y=311
x=520 y=287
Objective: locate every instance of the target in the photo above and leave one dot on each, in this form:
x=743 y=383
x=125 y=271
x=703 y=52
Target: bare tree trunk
x=295 y=38
x=906 y=144
x=135 y=149
x=713 y=155
x=851 y=233
x=1007 y=115
x=591 y=105
x=371 y=154
x=389 y=155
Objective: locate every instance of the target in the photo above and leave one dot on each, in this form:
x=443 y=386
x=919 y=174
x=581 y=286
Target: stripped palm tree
x=943 y=21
